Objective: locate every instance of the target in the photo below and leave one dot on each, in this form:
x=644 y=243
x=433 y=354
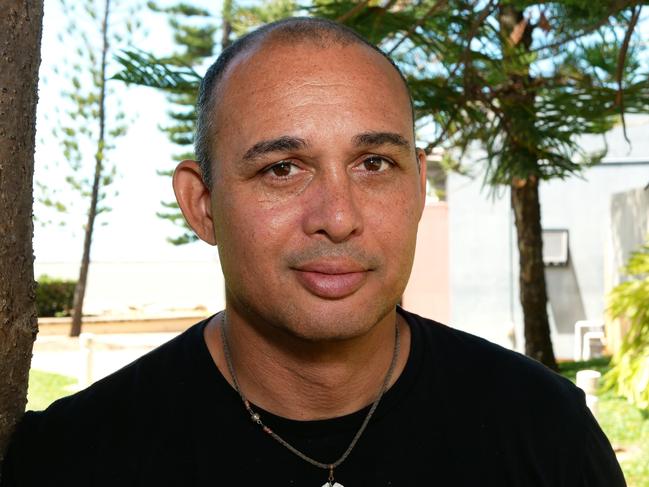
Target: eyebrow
x=290 y=143
x=284 y=143
x=373 y=139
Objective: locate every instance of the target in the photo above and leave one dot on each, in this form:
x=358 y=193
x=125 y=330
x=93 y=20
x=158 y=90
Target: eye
x=376 y=164
x=282 y=169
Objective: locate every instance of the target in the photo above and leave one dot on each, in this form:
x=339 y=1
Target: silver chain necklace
x=257 y=418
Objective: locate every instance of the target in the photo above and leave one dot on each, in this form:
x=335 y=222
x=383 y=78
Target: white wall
x=628 y=231
x=148 y=287
x=480 y=259
x=483 y=254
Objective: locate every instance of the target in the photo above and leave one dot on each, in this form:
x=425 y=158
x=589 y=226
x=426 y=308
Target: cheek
x=397 y=226
x=252 y=229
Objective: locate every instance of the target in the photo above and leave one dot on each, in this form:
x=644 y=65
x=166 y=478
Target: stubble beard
x=323 y=325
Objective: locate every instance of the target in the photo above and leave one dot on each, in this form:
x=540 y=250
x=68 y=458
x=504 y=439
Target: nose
x=332 y=209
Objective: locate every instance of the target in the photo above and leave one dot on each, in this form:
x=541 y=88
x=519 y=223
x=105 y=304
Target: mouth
x=332 y=279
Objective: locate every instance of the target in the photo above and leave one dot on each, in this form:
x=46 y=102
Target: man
x=309 y=183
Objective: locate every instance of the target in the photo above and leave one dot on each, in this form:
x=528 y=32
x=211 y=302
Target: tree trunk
x=519 y=118
x=20 y=41
x=80 y=289
x=533 y=295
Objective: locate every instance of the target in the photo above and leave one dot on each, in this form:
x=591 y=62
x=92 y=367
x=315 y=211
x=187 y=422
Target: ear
x=194 y=200
x=422 y=166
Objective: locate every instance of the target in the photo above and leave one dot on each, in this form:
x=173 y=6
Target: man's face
x=317 y=193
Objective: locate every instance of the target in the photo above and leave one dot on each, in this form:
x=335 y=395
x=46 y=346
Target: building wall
x=484 y=260
x=628 y=231
x=427 y=293
x=480 y=259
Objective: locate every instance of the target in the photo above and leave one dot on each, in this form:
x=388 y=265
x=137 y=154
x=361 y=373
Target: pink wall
x=427 y=293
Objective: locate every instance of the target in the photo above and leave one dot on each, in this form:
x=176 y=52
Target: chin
x=329 y=322
x=325 y=332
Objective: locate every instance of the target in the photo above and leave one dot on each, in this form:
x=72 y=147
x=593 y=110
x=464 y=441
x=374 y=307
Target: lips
x=331 y=279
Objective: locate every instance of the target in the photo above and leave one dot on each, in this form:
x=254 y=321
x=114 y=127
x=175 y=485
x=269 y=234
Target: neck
x=305 y=380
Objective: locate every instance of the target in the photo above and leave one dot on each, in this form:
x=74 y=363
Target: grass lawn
x=626 y=426
x=45 y=388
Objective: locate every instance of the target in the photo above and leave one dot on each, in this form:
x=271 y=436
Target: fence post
x=86 y=371
x=588 y=381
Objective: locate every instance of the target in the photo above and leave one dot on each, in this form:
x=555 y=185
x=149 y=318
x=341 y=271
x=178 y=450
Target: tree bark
x=533 y=295
x=80 y=289
x=20 y=42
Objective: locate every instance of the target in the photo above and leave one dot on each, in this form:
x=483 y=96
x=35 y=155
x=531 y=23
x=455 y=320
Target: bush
x=629 y=301
x=54 y=297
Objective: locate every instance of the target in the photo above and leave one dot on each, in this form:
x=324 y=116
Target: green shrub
x=629 y=301
x=54 y=297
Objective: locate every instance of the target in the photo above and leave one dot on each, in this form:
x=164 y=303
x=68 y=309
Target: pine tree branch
x=352 y=12
x=436 y=7
x=602 y=22
x=466 y=56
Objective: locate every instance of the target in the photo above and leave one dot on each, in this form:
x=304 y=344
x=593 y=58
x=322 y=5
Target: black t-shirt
x=464 y=412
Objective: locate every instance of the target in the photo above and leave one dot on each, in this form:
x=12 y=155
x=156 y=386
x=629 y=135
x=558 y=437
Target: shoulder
x=512 y=409
x=484 y=366
x=156 y=375
x=98 y=425
x=496 y=386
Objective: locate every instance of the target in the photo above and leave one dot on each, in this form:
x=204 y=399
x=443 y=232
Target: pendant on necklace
x=329 y=484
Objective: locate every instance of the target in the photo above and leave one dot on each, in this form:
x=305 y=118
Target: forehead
x=283 y=86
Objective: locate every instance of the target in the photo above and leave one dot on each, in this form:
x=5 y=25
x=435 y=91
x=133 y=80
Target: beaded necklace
x=256 y=418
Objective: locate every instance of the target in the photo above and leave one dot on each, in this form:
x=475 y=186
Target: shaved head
x=320 y=32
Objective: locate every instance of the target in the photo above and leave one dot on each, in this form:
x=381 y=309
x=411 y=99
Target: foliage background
x=54 y=296
x=629 y=302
